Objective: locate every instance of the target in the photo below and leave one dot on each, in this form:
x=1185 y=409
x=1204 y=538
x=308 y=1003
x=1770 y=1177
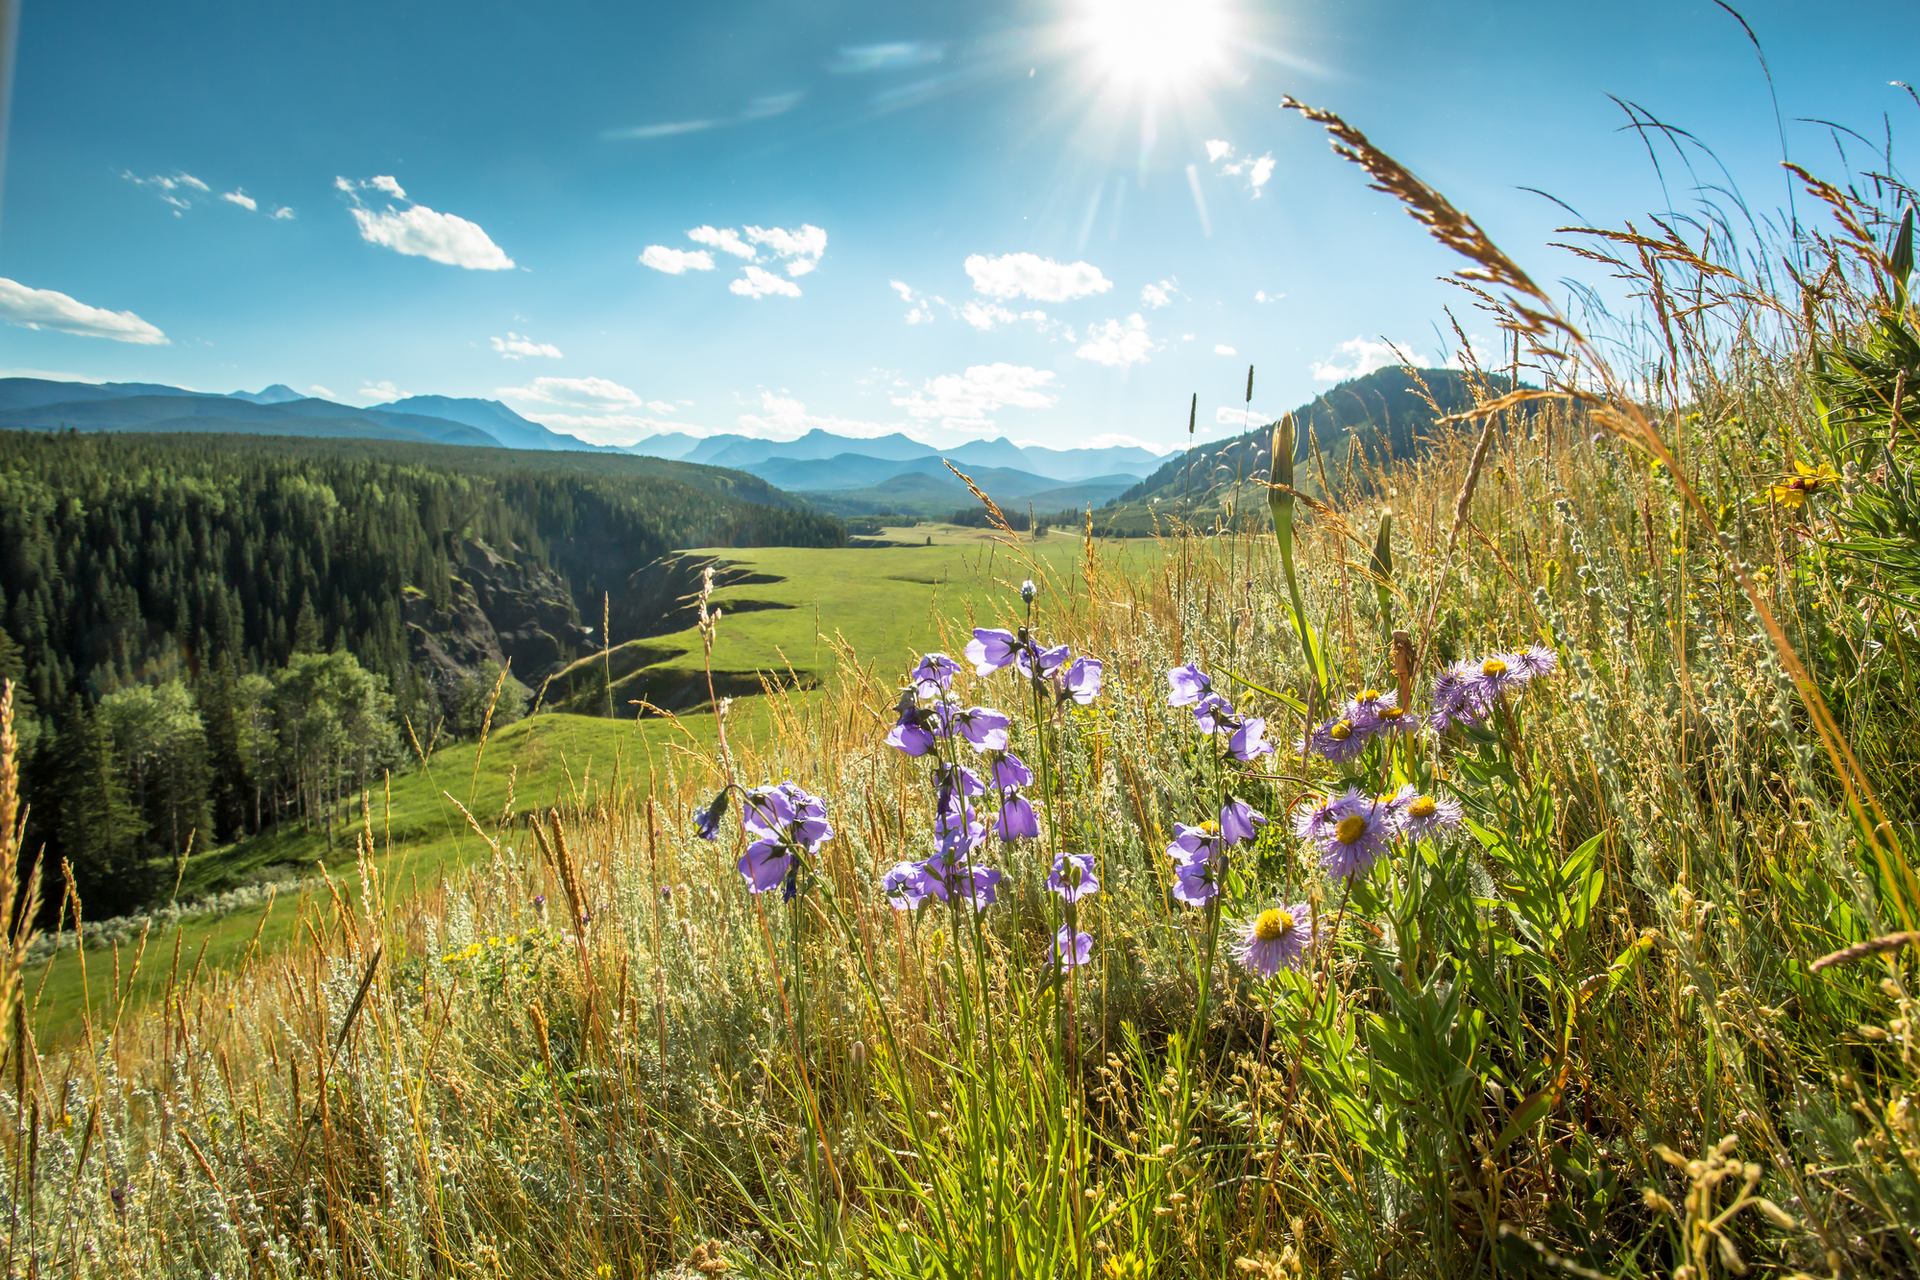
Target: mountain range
x=845 y=474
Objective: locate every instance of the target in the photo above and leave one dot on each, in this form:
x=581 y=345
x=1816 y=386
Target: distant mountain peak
x=278 y=393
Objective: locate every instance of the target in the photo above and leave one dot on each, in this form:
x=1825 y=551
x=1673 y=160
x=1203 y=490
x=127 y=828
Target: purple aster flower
x=1194 y=845
x=984 y=728
x=905 y=885
x=1337 y=740
x=1357 y=838
x=1070 y=949
x=1214 y=714
x=1187 y=685
x=1424 y=815
x=1535 y=661
x=1082 y=683
x=1276 y=939
x=1010 y=772
x=1194 y=884
x=1239 y=820
x=1314 y=821
x=990 y=650
x=765 y=864
x=1017 y=820
x=1249 y=742
x=1073 y=877
x=934 y=671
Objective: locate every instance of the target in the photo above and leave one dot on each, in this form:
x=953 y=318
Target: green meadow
x=797 y=612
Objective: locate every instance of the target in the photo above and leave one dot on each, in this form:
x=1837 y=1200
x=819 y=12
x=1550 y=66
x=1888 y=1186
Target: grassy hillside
x=1621 y=985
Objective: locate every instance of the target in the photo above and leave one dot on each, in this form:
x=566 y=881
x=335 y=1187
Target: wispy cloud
x=50 y=309
x=1028 y=275
x=891 y=55
x=518 y=346
x=919 y=305
x=578 y=393
x=419 y=232
x=381 y=392
x=1222 y=349
x=1256 y=170
x=181 y=191
x=764 y=106
x=1159 y=294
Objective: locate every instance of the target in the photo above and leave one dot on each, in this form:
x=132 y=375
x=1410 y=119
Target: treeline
x=169 y=604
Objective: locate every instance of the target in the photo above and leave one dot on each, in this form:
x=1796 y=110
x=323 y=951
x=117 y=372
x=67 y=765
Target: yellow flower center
x=1422 y=807
x=1271 y=924
x=1350 y=828
x=1391 y=713
x=1493 y=667
x=1341 y=731
x=1210 y=826
x=1369 y=695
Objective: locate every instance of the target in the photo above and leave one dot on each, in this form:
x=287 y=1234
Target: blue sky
x=1051 y=221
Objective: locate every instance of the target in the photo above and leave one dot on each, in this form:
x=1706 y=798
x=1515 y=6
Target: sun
x=1152 y=48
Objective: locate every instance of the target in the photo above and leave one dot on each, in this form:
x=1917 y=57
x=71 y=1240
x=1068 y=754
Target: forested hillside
x=213 y=633
x=1385 y=416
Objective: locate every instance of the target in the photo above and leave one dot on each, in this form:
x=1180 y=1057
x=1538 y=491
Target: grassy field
x=1602 y=964
x=803 y=610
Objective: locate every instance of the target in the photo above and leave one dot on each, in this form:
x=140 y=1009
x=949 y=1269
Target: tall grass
x=1648 y=1011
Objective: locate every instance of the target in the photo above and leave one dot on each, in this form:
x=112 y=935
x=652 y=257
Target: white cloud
x=662 y=407
x=516 y=346
x=381 y=392
x=323 y=393
x=675 y=261
x=725 y=239
x=1257 y=170
x=966 y=401
x=419 y=232
x=896 y=55
x=176 y=189
x=662 y=129
x=1356 y=358
x=798 y=250
x=986 y=316
x=1158 y=294
x=49 y=309
x=918 y=312
x=1116 y=343
x=758 y=282
x=1240 y=418
x=1222 y=349
x=1028 y=275
x=581 y=393
x=242 y=199
x=1261 y=295
x=283 y=214
x=801 y=247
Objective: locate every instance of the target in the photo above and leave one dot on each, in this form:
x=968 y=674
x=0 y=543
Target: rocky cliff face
x=505 y=607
